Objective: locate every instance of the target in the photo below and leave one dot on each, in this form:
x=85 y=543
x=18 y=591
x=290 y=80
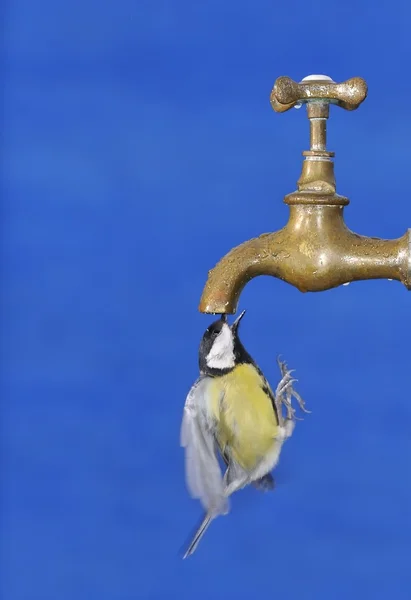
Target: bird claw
x=285 y=392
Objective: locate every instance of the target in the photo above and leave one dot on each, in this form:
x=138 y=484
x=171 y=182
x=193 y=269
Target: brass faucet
x=315 y=251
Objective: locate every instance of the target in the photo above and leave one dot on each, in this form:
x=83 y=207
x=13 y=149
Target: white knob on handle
x=317 y=78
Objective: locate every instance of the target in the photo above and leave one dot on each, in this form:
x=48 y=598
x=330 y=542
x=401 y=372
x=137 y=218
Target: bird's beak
x=236 y=323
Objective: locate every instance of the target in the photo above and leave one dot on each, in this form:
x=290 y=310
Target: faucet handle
x=287 y=93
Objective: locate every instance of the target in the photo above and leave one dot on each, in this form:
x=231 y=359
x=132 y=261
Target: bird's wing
x=203 y=473
x=267 y=389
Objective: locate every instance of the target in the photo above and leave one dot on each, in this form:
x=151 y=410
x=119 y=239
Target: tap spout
x=314 y=252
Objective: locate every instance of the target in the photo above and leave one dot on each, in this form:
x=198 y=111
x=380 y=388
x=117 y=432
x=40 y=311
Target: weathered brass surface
x=287 y=93
x=315 y=251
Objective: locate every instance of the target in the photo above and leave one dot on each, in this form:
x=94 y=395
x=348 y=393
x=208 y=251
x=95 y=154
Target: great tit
x=232 y=411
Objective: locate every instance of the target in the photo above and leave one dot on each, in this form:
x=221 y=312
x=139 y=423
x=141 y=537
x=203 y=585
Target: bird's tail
x=199 y=534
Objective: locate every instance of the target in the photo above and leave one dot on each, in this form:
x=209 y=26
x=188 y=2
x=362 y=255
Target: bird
x=231 y=412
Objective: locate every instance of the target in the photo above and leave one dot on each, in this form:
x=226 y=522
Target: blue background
x=139 y=146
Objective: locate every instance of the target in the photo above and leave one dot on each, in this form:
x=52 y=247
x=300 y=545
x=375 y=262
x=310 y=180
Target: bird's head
x=219 y=348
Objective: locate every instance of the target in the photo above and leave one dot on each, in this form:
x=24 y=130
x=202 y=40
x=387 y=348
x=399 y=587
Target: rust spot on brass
x=315 y=251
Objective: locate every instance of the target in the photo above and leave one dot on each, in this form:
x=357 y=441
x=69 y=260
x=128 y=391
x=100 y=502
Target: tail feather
x=199 y=534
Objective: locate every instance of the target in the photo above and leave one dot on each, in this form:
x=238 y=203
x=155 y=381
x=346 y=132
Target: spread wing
x=203 y=473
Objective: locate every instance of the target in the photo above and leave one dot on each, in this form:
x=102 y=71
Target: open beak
x=236 y=323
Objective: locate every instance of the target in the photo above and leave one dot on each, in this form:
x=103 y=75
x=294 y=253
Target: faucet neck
x=318 y=113
x=316 y=184
x=317 y=175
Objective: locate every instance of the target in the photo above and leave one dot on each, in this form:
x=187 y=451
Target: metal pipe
x=314 y=252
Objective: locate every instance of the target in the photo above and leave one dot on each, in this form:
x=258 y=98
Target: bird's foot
x=265 y=484
x=284 y=394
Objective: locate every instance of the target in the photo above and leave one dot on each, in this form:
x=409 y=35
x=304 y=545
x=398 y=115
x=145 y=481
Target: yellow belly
x=247 y=423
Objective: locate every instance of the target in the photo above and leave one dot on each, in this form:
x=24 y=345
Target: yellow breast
x=247 y=422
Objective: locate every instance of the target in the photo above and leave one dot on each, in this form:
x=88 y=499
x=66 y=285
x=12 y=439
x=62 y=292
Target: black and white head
x=220 y=348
